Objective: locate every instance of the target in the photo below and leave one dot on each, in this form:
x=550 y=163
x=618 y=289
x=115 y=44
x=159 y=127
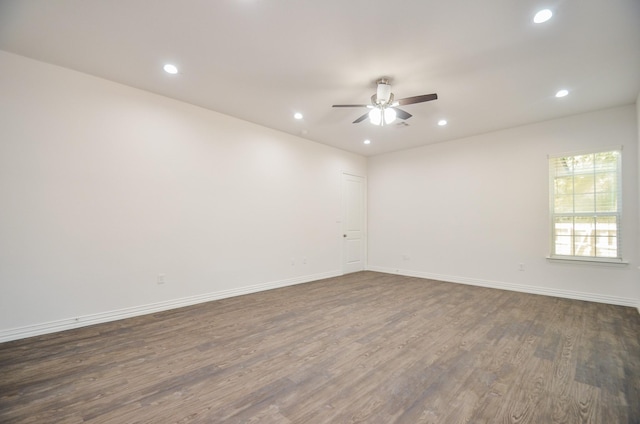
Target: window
x=586 y=206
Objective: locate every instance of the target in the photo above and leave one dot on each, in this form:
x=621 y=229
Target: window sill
x=588 y=261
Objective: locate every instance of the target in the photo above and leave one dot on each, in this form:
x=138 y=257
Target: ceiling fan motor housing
x=383 y=93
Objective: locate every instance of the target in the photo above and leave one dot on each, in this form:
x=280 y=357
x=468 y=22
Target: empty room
x=268 y=211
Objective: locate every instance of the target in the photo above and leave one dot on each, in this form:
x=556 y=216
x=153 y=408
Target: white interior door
x=354 y=247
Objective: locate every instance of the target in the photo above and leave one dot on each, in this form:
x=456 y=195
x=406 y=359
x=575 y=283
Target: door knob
x=344 y=235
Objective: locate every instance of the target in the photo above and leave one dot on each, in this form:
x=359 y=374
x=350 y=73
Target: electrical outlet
x=161 y=279
x=521 y=267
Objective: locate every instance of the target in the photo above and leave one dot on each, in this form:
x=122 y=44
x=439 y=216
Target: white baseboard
x=86 y=320
x=102 y=317
x=568 y=294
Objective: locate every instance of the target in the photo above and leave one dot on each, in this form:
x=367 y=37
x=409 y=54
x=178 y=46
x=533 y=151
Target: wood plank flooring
x=362 y=348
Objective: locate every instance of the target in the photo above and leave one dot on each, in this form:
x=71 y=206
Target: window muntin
x=586 y=205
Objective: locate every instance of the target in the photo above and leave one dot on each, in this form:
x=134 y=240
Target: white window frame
x=618 y=259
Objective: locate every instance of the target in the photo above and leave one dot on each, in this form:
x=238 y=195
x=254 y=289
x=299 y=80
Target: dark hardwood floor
x=366 y=347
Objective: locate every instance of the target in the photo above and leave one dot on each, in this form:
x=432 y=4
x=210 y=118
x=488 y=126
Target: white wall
x=638 y=233
x=103 y=187
x=472 y=210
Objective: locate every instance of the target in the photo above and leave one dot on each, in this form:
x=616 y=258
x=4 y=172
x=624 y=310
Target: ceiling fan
x=384 y=109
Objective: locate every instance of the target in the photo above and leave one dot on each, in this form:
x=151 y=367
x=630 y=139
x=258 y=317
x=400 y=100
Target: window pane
x=584 y=184
x=607 y=236
x=584 y=239
x=606 y=202
x=563 y=245
x=563 y=185
x=584 y=246
x=607 y=247
x=584 y=203
x=583 y=163
x=585 y=225
x=605 y=182
x=606 y=226
x=606 y=160
x=563 y=226
x=606 y=194
x=563 y=166
x=563 y=235
x=563 y=204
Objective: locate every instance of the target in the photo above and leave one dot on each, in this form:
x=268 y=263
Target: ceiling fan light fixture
x=389 y=115
x=382 y=116
x=375 y=116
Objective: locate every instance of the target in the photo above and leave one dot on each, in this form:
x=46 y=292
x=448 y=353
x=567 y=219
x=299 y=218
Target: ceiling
x=263 y=60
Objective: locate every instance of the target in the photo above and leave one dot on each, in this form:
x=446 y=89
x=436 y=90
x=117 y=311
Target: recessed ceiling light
x=562 y=93
x=542 y=16
x=170 y=69
x=367 y=141
x=442 y=122
x=297 y=115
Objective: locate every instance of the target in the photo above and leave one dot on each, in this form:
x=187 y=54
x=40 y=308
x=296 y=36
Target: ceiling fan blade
x=350 y=105
x=362 y=118
x=417 y=99
x=401 y=113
